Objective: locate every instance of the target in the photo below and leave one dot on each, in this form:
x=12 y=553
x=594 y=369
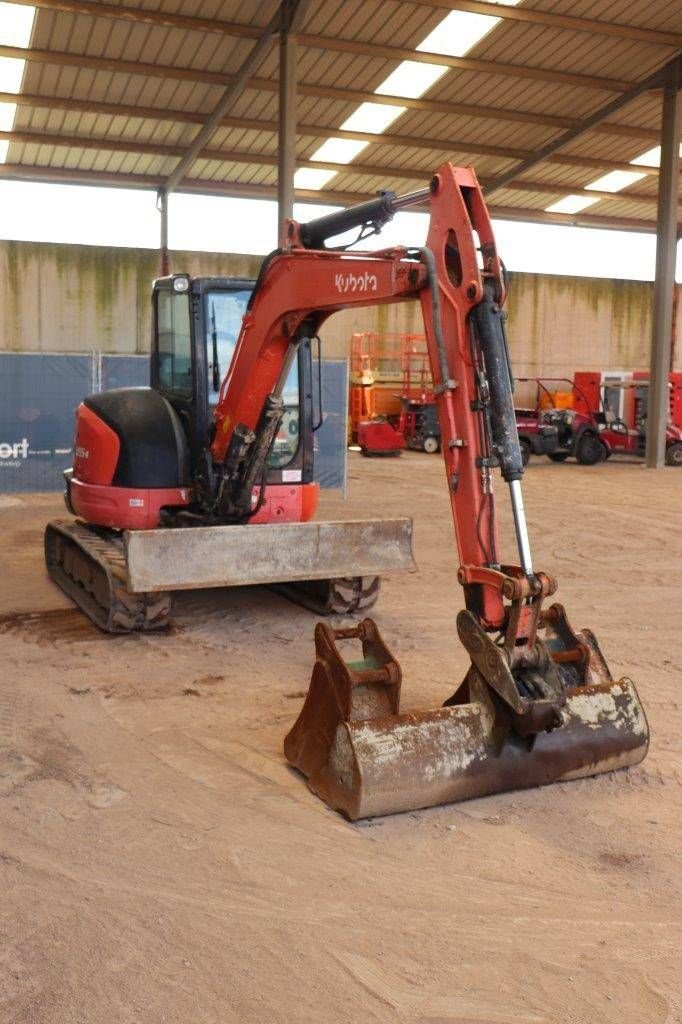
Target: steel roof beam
x=66 y=175
x=353 y=46
x=66 y=59
x=575 y=133
x=646 y=135
x=238 y=83
x=573 y=220
x=193 y=23
x=322 y=131
x=271 y=160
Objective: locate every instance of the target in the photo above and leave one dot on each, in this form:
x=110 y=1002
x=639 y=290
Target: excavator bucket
x=363 y=757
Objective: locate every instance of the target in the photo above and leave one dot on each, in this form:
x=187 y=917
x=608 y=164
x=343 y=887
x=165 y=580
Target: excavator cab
x=195 y=326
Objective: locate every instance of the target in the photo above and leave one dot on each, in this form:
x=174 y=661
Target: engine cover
x=130 y=437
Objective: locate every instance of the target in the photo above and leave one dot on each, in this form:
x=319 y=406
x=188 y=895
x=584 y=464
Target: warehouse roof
x=115 y=93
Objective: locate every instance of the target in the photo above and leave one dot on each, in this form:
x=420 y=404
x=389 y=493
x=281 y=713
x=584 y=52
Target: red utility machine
x=372 y=431
x=618 y=402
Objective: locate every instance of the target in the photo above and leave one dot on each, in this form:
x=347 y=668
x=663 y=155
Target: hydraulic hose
x=487 y=318
x=427 y=258
x=488 y=321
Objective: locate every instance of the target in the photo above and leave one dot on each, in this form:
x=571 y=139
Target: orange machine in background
x=419 y=423
x=376 y=374
x=556 y=400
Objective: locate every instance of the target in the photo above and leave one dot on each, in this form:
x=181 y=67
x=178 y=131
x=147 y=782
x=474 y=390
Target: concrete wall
x=74 y=298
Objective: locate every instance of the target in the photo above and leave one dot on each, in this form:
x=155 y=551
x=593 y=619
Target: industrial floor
x=160 y=863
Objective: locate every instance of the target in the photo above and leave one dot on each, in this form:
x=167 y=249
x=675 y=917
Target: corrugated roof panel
x=249 y=12
x=644 y=13
x=517 y=95
x=578 y=52
x=528 y=200
x=462 y=127
x=392 y=23
x=356 y=19
x=599 y=146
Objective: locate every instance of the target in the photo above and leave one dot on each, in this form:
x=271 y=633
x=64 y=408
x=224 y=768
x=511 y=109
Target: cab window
x=223 y=317
x=285 y=444
x=174 y=340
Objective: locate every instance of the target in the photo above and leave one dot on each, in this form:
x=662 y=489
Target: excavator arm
x=459 y=281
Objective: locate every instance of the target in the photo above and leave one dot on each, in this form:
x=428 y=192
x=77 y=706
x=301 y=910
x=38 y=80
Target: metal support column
x=293 y=12
x=164 y=255
x=658 y=410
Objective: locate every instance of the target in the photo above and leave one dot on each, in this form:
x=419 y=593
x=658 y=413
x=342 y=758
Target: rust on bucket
x=364 y=758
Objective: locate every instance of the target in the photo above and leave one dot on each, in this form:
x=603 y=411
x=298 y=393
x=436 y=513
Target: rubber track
x=89 y=565
x=343 y=595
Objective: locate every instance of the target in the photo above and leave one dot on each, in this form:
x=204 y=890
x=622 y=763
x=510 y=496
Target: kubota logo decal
x=351 y=283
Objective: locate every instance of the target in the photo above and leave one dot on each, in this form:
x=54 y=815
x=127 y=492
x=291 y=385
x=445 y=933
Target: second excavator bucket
x=364 y=757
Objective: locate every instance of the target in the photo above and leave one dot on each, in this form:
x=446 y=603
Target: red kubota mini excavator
x=538 y=703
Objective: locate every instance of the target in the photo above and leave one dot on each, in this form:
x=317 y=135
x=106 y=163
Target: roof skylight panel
x=571 y=204
x=454 y=36
x=652 y=158
x=16 y=24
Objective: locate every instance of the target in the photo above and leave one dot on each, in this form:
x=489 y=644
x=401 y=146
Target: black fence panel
x=123 y=372
x=38 y=396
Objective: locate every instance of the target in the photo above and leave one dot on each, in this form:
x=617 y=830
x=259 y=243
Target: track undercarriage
x=91 y=565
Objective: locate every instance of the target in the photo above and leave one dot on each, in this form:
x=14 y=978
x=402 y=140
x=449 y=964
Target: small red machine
x=374 y=432
x=545 y=428
x=392 y=357
x=419 y=417
x=379 y=437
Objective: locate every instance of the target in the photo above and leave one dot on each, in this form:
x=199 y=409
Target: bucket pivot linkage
x=544 y=712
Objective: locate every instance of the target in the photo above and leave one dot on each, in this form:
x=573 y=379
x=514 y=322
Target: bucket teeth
x=562 y=719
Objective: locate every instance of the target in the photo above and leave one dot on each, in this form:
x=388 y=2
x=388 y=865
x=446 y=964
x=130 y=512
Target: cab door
x=221 y=304
x=196 y=323
x=174 y=362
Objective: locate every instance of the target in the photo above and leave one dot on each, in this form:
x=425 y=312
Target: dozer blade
x=229 y=556
x=329 y=568
x=364 y=758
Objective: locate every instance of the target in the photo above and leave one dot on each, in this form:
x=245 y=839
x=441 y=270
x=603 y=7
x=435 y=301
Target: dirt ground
x=160 y=863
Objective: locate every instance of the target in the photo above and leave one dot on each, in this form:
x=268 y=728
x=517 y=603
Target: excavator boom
x=299 y=288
